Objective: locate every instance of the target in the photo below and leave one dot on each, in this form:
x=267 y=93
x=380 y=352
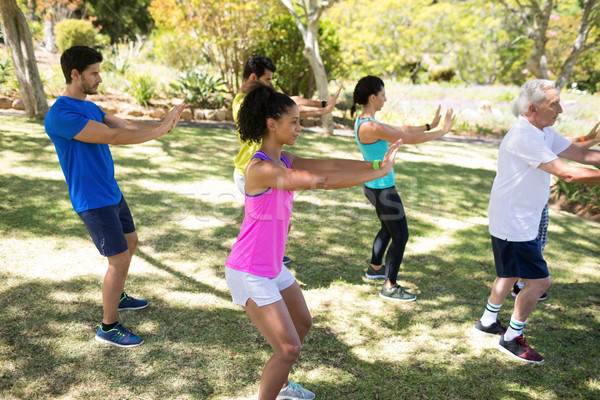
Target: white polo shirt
x=521 y=190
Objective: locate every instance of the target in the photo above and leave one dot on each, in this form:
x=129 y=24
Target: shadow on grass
x=53 y=325
x=198 y=347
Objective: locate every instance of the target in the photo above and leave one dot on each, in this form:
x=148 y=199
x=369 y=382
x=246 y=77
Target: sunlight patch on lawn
x=444 y=237
x=46 y=260
x=447 y=153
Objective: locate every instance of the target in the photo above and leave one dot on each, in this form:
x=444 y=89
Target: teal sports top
x=372 y=152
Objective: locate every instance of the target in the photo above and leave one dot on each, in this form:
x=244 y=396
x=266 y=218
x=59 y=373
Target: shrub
x=8 y=80
x=142 y=88
x=118 y=60
x=578 y=193
x=74 y=32
x=200 y=89
x=442 y=73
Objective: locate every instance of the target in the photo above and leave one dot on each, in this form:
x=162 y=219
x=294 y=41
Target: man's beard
x=86 y=88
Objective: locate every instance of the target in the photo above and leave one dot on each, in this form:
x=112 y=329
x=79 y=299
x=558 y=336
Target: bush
x=8 y=80
x=200 y=89
x=74 y=32
x=587 y=196
x=142 y=88
x=442 y=73
x=118 y=59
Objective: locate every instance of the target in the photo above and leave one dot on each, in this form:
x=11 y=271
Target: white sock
x=490 y=315
x=515 y=328
x=520 y=284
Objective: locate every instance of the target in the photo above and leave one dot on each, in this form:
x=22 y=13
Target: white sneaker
x=294 y=391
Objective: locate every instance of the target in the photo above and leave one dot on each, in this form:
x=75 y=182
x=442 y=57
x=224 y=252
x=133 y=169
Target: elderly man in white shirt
x=528 y=154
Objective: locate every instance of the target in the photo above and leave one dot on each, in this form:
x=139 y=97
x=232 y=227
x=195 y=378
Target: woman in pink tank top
x=257 y=280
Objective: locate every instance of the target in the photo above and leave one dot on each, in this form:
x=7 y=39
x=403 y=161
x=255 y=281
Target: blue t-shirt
x=88 y=167
x=372 y=152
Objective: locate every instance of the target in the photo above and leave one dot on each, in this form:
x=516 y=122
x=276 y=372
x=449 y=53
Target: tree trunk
x=538 y=63
x=20 y=44
x=589 y=19
x=310 y=36
x=311 y=52
x=49 y=40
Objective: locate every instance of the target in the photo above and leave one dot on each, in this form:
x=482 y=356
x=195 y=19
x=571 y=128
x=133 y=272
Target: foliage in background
x=480 y=39
x=222 y=32
x=199 y=88
x=121 y=19
x=121 y=55
x=74 y=32
x=116 y=19
x=587 y=196
x=141 y=87
x=585 y=75
x=282 y=43
x=8 y=82
x=406 y=38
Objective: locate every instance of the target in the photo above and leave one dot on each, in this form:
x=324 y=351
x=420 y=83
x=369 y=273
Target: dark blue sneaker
x=129 y=303
x=118 y=336
x=286 y=259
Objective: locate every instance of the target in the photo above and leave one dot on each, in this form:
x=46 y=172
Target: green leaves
x=200 y=89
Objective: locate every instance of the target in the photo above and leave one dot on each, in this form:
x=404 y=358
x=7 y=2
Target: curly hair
x=79 y=58
x=260 y=103
x=364 y=88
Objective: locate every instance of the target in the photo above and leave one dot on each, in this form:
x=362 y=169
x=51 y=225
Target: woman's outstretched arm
x=261 y=175
x=371 y=131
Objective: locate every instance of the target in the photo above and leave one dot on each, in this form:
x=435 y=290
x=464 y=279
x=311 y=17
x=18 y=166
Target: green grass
x=201 y=346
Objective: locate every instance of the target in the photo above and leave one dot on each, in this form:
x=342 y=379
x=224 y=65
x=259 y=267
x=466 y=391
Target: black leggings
x=393 y=227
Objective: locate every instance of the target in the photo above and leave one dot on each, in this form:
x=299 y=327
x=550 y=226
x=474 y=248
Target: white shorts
x=240 y=182
x=263 y=291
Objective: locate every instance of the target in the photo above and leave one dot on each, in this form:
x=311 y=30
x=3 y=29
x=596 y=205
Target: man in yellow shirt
x=261 y=68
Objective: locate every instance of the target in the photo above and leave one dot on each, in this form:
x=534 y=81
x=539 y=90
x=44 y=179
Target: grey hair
x=532 y=92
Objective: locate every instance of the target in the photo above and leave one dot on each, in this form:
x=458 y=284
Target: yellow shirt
x=247 y=149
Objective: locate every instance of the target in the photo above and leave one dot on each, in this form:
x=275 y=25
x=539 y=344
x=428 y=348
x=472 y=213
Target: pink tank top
x=260 y=246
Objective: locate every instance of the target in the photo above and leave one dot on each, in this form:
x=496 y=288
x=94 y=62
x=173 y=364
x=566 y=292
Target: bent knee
x=290 y=352
x=306 y=324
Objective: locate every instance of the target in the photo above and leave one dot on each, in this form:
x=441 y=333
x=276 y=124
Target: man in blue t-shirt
x=81 y=133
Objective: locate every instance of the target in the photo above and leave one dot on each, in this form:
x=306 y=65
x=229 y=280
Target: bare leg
x=114 y=280
x=528 y=297
x=500 y=289
x=296 y=305
x=132 y=242
x=284 y=328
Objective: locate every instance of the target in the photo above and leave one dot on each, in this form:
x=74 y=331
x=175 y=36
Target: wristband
x=582 y=138
x=427 y=127
x=376 y=164
x=323 y=103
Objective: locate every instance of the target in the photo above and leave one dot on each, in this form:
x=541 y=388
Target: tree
x=283 y=43
x=118 y=18
x=222 y=32
x=308 y=25
x=53 y=12
x=536 y=17
x=20 y=44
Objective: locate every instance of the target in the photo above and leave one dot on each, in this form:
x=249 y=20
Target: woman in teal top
x=373 y=139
